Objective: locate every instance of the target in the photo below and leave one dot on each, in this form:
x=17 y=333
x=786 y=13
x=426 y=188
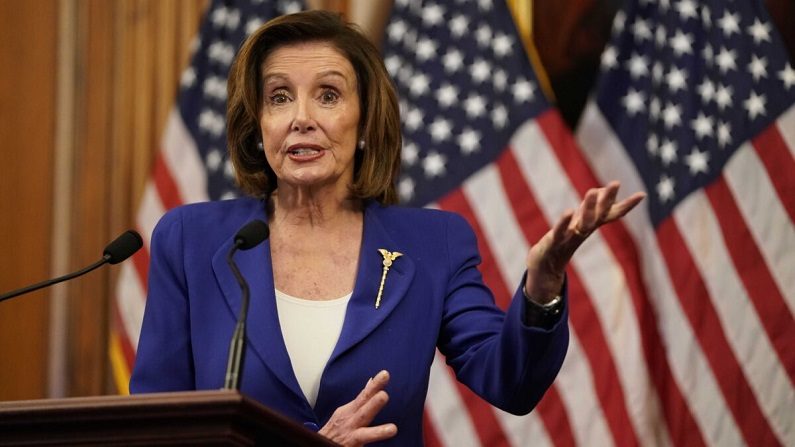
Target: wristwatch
x=548 y=309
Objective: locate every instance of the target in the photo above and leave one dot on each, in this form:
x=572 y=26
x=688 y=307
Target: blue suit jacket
x=433 y=297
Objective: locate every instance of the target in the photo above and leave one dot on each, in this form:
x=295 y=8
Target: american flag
x=681 y=314
x=192 y=165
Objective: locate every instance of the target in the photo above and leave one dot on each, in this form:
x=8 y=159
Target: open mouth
x=303 y=151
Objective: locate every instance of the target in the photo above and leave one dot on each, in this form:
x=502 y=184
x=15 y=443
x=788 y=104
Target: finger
x=622 y=208
x=605 y=201
x=367 y=412
x=561 y=230
x=373 y=386
x=587 y=212
x=366 y=435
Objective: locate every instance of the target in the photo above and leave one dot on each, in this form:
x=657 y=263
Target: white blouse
x=310 y=330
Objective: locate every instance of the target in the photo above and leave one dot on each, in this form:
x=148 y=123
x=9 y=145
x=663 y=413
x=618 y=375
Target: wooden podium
x=183 y=418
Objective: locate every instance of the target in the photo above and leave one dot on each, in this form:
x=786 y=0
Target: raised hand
x=547 y=259
x=349 y=425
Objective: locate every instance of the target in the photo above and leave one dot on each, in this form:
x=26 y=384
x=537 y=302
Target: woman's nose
x=303 y=121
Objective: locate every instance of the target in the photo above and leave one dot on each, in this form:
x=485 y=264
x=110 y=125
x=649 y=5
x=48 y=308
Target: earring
x=260 y=146
x=361 y=144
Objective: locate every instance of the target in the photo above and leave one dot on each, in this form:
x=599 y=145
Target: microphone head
x=251 y=235
x=123 y=247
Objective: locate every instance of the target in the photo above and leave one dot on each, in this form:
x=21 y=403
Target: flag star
x=419 y=84
x=676 y=79
x=609 y=58
x=469 y=141
x=409 y=153
x=619 y=21
x=654 y=108
x=396 y=30
x=393 y=64
x=755 y=104
x=211 y=122
x=657 y=72
x=707 y=91
x=459 y=25
x=665 y=189
x=697 y=161
x=723 y=97
x=447 y=95
x=229 y=170
x=668 y=152
x=641 y=30
x=702 y=126
x=405 y=74
x=218 y=16
x=653 y=145
x=708 y=54
x=426 y=49
x=706 y=17
x=500 y=79
x=686 y=9
x=188 y=78
x=440 y=130
x=671 y=115
x=474 y=106
x=485 y=5
x=228 y=195
x=729 y=23
x=291 y=7
x=638 y=66
x=724 y=134
x=787 y=76
x=406 y=188
x=253 y=24
x=433 y=164
x=480 y=70
x=726 y=60
x=432 y=15
x=633 y=101
x=214 y=87
x=759 y=31
x=682 y=43
x=453 y=60
x=664 y=5
x=499 y=116
x=502 y=45
x=221 y=52
x=758 y=67
x=660 y=35
x=414 y=119
x=522 y=90
x=483 y=35
x=214 y=159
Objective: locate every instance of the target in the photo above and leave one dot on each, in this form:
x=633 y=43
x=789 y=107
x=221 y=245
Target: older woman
x=351 y=295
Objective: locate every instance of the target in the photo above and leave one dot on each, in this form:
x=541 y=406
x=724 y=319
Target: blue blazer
x=434 y=296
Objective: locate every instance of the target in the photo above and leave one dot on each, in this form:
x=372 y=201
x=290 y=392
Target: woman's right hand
x=349 y=425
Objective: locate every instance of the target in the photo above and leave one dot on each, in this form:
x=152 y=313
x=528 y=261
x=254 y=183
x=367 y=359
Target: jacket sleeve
x=509 y=364
x=164 y=361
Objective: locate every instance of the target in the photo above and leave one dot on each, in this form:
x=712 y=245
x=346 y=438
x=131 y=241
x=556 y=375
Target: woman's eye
x=329 y=97
x=279 y=98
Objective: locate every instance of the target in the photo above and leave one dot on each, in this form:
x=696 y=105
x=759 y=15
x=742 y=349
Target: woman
x=350 y=295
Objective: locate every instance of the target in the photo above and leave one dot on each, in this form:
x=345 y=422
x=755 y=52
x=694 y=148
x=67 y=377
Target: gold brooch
x=389 y=257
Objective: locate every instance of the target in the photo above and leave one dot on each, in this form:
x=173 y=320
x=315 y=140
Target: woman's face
x=310 y=115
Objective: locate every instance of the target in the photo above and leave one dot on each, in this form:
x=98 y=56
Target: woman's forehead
x=315 y=57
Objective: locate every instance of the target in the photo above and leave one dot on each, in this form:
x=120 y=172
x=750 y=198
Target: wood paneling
x=27 y=117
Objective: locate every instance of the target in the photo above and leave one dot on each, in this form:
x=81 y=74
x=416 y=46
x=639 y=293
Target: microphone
x=117 y=251
x=248 y=237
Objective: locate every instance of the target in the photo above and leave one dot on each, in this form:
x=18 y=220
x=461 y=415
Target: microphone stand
x=50 y=282
x=237 y=346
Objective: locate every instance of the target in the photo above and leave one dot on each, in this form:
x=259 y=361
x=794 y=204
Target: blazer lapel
x=362 y=317
x=263 y=332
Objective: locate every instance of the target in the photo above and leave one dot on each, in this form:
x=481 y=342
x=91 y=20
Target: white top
x=310 y=330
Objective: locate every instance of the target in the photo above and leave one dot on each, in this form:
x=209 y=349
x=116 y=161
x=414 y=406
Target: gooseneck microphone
x=117 y=251
x=248 y=237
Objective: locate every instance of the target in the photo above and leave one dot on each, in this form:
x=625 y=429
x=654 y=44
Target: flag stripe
x=165 y=185
x=429 y=436
x=765 y=216
x=786 y=127
x=125 y=348
x=691 y=292
x=444 y=405
x=677 y=414
x=780 y=166
x=582 y=315
x=765 y=296
x=688 y=366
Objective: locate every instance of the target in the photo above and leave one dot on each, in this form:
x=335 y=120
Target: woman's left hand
x=547 y=259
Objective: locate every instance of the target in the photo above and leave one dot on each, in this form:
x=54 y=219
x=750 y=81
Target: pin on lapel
x=389 y=257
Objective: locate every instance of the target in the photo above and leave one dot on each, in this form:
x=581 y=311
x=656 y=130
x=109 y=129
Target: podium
x=215 y=418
